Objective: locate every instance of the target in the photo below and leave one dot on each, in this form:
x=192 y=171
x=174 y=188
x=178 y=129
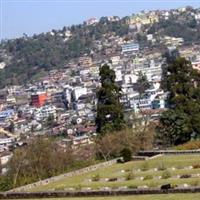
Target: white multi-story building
x=196 y=65
x=130 y=78
x=5 y=158
x=92 y=21
x=130 y=47
x=78 y=91
x=6 y=143
x=44 y=112
x=67 y=91
x=152 y=70
x=2 y=65
x=115 y=60
x=118 y=74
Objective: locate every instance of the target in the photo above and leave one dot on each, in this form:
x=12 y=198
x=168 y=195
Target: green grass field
x=142 y=197
x=176 y=165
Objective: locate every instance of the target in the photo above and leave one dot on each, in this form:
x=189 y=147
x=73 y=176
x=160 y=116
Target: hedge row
x=52 y=194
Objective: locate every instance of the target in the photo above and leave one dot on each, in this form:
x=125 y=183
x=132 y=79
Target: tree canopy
x=182 y=121
x=142 y=83
x=109 y=109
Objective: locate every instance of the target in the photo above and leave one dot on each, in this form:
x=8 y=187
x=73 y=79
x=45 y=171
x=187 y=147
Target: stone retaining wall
x=26 y=195
x=69 y=174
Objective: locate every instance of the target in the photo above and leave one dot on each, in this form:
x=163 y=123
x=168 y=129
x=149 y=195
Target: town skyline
x=34 y=17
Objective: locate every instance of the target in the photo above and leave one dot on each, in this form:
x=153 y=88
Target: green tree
x=50 y=121
x=109 y=109
x=11 y=127
x=126 y=154
x=181 y=122
x=5 y=183
x=142 y=83
x=175 y=128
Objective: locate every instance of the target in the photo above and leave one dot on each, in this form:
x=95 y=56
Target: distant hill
x=28 y=57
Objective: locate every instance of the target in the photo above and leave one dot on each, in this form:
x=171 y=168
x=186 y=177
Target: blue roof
x=6 y=113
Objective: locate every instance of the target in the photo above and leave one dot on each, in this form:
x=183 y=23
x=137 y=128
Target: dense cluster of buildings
x=64 y=102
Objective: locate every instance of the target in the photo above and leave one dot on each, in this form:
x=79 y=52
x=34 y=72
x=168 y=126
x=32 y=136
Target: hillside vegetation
x=26 y=57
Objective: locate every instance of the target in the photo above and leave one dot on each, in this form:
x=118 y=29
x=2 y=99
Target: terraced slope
x=178 y=170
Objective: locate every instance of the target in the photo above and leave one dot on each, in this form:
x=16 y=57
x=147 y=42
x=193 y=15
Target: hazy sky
x=36 y=16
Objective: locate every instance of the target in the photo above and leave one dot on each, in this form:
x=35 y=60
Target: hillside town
x=63 y=103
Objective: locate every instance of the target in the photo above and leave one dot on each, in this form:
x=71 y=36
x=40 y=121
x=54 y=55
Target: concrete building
x=38 y=99
x=142 y=18
x=5 y=143
x=130 y=47
x=7 y=114
x=44 y=112
x=196 y=65
x=85 y=61
x=78 y=91
x=153 y=70
x=91 y=21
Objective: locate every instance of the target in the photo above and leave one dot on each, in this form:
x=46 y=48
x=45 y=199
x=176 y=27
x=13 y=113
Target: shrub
x=112 y=179
x=5 y=183
x=96 y=177
x=130 y=176
x=126 y=154
x=120 y=160
x=196 y=166
x=144 y=166
x=148 y=177
x=166 y=174
x=165 y=187
x=186 y=176
x=162 y=167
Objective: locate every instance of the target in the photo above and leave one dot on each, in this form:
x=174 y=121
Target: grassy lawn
x=142 y=197
x=176 y=165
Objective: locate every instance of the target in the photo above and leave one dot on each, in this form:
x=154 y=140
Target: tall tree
x=142 y=83
x=109 y=109
x=181 y=122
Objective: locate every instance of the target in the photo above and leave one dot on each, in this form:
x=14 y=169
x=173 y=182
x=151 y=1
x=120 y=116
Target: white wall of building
x=79 y=91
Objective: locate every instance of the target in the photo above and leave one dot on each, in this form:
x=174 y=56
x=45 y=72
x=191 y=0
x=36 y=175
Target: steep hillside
x=27 y=57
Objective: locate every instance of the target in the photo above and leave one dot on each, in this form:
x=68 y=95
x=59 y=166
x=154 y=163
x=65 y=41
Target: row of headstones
x=157 y=169
x=145 y=178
